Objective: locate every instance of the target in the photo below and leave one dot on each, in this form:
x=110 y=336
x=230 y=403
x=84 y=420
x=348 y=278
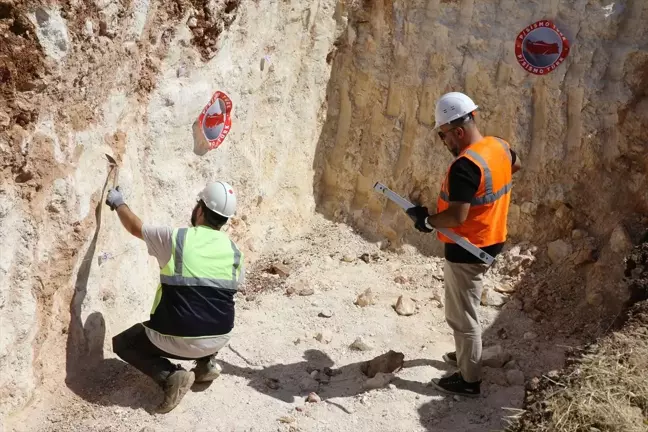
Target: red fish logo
x=541 y=47
x=213 y=120
x=214 y=123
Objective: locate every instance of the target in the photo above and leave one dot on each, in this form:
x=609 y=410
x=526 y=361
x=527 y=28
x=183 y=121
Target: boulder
x=495 y=356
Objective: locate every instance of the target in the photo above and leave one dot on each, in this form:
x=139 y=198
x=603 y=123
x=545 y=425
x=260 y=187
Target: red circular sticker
x=216 y=120
x=541 y=47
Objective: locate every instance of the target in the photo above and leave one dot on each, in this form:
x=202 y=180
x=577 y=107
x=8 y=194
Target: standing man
x=193 y=309
x=473 y=202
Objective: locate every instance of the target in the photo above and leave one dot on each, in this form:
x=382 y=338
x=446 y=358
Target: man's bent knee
x=124 y=340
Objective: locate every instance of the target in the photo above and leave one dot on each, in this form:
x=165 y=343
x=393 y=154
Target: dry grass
x=610 y=389
x=606 y=389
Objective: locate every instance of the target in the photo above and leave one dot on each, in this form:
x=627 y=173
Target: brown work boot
x=206 y=370
x=175 y=387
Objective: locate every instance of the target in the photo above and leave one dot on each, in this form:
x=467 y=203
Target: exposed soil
x=600 y=387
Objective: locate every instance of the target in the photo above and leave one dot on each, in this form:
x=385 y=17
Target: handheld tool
x=114 y=165
x=405 y=204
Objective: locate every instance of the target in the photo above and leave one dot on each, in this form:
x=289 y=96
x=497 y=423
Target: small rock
x=528 y=208
x=457 y=398
x=326 y=313
x=533 y=383
x=512 y=364
x=389 y=362
x=619 y=240
x=365 y=257
x=365 y=299
x=147 y=429
x=505 y=288
x=558 y=250
x=313 y=398
x=578 y=234
x=491 y=298
x=280 y=270
x=554 y=374
x=272 y=383
x=287 y=419
x=495 y=356
x=400 y=279
x=325 y=336
x=192 y=22
x=181 y=72
x=308 y=384
x=360 y=345
x=306 y=291
x=515 y=377
x=290 y=291
x=502 y=334
x=530 y=335
x=331 y=372
x=348 y=258
x=380 y=380
x=5 y=120
x=88 y=30
x=405 y=306
x=587 y=253
x=391 y=387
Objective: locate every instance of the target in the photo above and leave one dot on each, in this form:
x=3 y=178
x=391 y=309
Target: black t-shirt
x=463 y=181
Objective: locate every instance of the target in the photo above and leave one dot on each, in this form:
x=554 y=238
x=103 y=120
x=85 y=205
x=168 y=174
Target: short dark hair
x=213 y=219
x=463 y=120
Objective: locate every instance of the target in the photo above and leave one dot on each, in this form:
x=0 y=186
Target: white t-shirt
x=159 y=242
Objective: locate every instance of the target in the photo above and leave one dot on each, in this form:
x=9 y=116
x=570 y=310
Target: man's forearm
x=444 y=219
x=131 y=222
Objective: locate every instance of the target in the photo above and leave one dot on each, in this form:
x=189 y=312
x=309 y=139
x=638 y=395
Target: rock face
x=361 y=143
x=112 y=87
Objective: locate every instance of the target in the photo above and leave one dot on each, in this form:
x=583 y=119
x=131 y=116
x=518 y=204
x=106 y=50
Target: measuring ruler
x=405 y=205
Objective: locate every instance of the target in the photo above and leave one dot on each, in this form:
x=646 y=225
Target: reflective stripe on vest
x=178 y=279
x=489 y=196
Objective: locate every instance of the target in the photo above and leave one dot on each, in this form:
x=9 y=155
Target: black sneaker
x=455 y=385
x=450 y=358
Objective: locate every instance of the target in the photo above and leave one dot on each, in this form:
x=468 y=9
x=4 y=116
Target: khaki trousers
x=463 y=290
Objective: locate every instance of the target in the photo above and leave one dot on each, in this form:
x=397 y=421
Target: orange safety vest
x=487 y=217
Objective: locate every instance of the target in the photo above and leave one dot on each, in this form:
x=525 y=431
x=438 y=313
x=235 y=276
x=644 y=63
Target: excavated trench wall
x=580 y=131
x=81 y=79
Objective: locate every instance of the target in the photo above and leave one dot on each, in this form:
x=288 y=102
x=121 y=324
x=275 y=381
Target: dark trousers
x=135 y=348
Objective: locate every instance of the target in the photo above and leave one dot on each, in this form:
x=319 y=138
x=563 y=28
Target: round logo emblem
x=541 y=47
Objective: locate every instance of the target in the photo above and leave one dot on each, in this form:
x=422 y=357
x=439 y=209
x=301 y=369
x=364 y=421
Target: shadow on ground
x=286 y=382
x=108 y=382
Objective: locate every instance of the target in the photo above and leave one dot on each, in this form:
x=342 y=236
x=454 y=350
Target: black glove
x=114 y=198
x=418 y=214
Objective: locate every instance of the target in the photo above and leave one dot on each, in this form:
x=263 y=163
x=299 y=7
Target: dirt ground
x=275 y=359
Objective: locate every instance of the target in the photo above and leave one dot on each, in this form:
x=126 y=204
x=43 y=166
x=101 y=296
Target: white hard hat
x=452 y=106
x=220 y=198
